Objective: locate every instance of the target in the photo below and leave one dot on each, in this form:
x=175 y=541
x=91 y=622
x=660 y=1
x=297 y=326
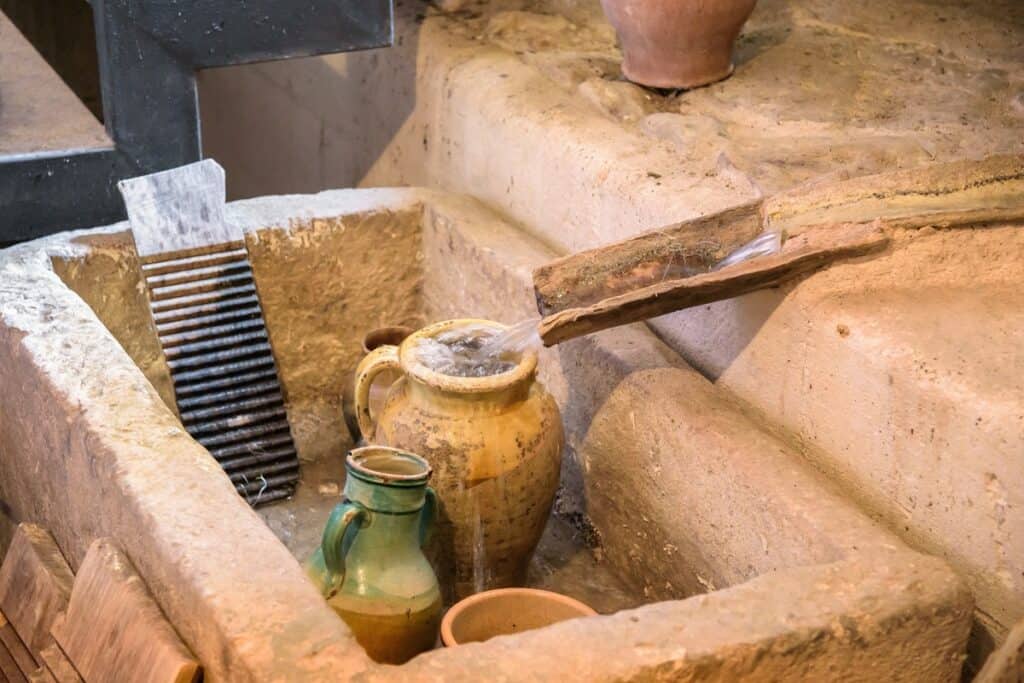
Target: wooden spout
x=668 y=269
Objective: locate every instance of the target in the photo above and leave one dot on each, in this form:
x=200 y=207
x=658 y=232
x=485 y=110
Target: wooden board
x=41 y=675
x=113 y=630
x=9 y=670
x=647 y=276
x=35 y=585
x=57 y=663
x=799 y=255
x=669 y=253
x=15 y=648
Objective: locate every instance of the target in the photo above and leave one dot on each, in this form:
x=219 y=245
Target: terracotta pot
x=495 y=444
x=677 y=43
x=370 y=566
x=505 y=611
x=373 y=339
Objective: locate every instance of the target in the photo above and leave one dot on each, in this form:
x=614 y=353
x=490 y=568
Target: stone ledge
x=672 y=463
x=855 y=620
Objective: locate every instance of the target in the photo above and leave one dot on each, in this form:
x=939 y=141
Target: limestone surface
x=893 y=374
x=89 y=450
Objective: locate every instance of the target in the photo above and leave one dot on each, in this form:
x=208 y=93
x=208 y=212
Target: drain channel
x=211 y=328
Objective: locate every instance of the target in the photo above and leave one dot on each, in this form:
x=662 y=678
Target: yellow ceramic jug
x=494 y=444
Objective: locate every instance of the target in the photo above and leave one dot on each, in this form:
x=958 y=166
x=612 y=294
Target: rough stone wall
x=323 y=284
x=108 y=277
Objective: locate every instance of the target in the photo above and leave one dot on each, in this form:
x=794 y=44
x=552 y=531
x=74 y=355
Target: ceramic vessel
x=380 y=336
x=677 y=43
x=495 y=445
x=506 y=611
x=370 y=566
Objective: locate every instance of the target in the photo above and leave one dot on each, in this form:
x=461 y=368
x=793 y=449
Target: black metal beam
x=149 y=52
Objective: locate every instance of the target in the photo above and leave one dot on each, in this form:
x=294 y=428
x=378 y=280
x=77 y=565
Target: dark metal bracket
x=149 y=52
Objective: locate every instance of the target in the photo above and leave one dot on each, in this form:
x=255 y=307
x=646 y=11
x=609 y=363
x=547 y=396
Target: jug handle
x=334 y=537
x=380 y=359
x=428 y=515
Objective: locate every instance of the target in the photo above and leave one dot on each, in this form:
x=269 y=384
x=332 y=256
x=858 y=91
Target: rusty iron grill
x=210 y=325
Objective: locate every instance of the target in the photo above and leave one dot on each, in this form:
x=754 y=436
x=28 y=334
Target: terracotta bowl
x=504 y=611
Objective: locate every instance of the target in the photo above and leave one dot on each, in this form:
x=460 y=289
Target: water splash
x=762 y=245
x=515 y=340
x=478 y=350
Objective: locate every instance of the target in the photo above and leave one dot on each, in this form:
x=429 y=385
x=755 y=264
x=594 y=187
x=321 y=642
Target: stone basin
x=897 y=377
x=711 y=546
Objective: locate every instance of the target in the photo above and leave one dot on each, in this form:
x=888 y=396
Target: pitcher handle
x=380 y=359
x=428 y=515
x=333 y=543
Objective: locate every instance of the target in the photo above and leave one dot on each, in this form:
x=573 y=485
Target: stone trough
x=733 y=557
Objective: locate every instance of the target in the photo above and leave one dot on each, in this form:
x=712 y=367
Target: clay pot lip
x=448 y=638
x=388 y=335
x=523 y=372
x=354 y=463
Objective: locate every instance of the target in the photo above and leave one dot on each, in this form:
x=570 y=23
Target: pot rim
x=382 y=336
x=522 y=372
x=448 y=638
x=354 y=465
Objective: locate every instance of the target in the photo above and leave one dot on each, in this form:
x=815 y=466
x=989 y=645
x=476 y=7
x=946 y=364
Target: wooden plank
x=22 y=657
x=669 y=253
x=800 y=255
x=35 y=585
x=41 y=675
x=57 y=663
x=940 y=195
x=646 y=276
x=9 y=668
x=113 y=630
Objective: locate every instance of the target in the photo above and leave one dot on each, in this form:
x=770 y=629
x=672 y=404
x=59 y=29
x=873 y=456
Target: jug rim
x=356 y=464
x=392 y=335
x=523 y=371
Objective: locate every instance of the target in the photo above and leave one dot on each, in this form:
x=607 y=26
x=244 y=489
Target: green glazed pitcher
x=370 y=566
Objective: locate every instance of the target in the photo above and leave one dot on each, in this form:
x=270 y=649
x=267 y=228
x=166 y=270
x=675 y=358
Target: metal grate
x=211 y=328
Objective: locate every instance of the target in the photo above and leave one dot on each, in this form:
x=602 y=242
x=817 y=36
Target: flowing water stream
x=480 y=351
